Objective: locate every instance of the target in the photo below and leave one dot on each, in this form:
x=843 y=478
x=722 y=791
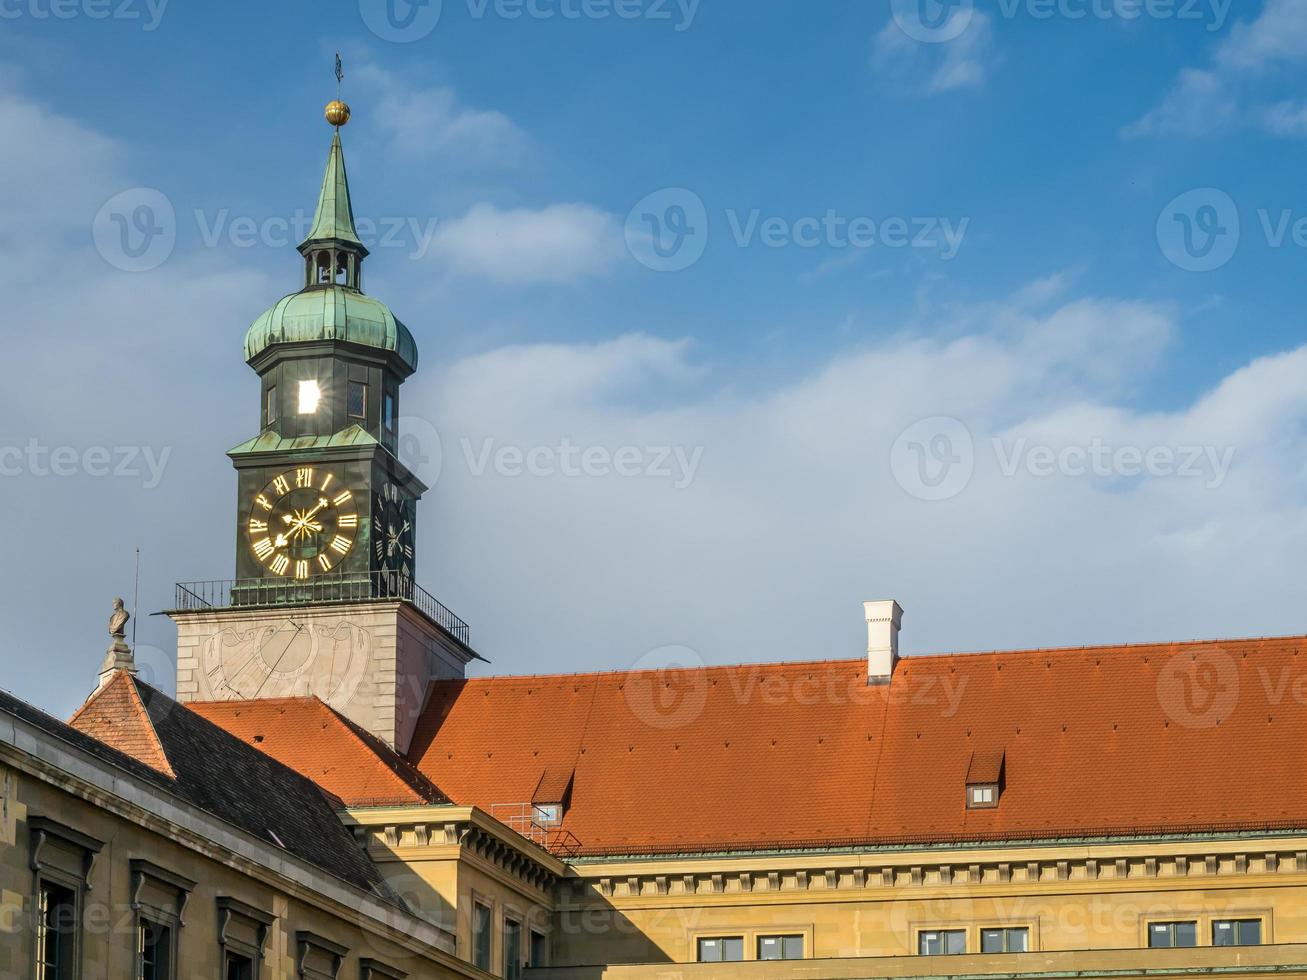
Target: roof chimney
x=883 y=621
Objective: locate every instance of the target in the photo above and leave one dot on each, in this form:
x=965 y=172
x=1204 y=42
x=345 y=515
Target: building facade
x=330 y=795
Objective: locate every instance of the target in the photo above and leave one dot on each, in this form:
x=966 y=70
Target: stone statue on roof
x=118 y=621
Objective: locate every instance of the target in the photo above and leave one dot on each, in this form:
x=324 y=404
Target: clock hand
x=305 y=521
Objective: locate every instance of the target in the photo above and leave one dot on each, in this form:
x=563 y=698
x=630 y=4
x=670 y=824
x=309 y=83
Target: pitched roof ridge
x=909 y=659
x=1122 y=648
x=145 y=715
x=172 y=704
x=121 y=677
x=612 y=674
x=400 y=767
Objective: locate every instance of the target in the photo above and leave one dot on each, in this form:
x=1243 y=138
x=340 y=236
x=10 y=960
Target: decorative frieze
x=845 y=879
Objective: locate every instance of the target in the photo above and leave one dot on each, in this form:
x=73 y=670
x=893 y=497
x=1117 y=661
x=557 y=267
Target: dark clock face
x=392 y=530
x=303 y=523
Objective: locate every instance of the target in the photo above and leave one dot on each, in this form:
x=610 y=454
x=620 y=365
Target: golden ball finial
x=337 y=112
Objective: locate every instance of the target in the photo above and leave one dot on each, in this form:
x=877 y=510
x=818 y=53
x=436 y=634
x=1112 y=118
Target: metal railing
x=524 y=818
x=323 y=589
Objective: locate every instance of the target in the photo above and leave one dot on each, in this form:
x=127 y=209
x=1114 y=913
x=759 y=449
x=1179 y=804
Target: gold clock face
x=303 y=523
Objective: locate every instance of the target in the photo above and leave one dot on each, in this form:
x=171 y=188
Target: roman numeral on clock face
x=301 y=569
x=263 y=548
x=348 y=520
x=341 y=544
x=304 y=478
x=280 y=564
x=281 y=485
x=343 y=497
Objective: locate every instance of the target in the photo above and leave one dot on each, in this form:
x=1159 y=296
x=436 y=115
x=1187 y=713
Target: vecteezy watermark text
x=1201 y=230
x=406 y=21
x=148 y=12
x=668 y=230
x=414 y=234
x=136 y=230
x=941 y=21
x=571 y=461
x=935 y=459
x=145 y=463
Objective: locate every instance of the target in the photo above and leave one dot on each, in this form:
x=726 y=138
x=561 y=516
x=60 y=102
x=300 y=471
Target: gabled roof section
x=307 y=735
x=116 y=716
x=216 y=772
x=333 y=221
x=1161 y=739
x=986 y=767
x=554 y=787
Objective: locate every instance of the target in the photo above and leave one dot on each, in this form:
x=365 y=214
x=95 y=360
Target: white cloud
x=1286 y=118
x=1200 y=101
x=1278 y=35
x=433 y=122
x=561 y=243
x=794 y=514
x=1227 y=93
x=937 y=68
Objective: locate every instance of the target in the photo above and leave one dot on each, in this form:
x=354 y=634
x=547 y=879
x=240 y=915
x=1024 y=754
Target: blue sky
x=1059 y=144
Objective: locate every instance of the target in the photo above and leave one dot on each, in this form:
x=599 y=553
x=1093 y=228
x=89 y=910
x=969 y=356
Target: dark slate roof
x=218 y=773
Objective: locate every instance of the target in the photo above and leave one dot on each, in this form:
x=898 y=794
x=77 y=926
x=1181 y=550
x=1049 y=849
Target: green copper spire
x=334 y=219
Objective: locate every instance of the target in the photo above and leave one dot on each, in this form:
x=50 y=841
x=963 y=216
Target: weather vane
x=337 y=111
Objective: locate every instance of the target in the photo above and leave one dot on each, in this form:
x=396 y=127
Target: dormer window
x=550 y=800
x=986 y=777
x=548 y=814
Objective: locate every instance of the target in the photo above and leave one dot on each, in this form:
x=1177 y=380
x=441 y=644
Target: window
x=1171 y=935
x=1237 y=932
x=481 y=936
x=1004 y=940
x=942 y=942
x=242 y=937
x=310 y=396
x=270 y=406
x=159 y=897
x=154 y=950
x=539 y=949
x=388 y=412
x=982 y=797
x=548 y=814
x=357 y=400
x=512 y=949
x=723 y=949
x=56 y=932
x=237 y=967
x=780 y=947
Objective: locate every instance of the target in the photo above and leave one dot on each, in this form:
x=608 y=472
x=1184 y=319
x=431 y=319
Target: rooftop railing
x=322 y=590
x=532 y=822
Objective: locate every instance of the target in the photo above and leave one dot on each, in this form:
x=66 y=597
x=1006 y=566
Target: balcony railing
x=322 y=590
x=528 y=819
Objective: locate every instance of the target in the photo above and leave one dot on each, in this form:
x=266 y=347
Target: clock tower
x=324 y=601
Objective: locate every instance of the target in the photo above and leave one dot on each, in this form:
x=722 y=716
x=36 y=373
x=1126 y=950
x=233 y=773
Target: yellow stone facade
x=46 y=781
x=1087 y=906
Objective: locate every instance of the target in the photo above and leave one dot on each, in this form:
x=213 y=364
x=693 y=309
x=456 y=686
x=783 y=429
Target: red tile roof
x=1097 y=742
x=320 y=744
x=116 y=716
